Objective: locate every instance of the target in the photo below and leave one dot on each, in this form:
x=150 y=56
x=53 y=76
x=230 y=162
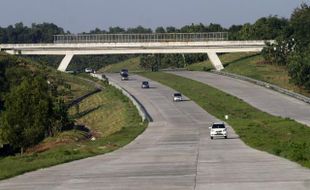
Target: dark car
x=123 y=71
x=145 y=84
x=124 y=76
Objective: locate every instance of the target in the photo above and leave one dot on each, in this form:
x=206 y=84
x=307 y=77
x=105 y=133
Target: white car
x=89 y=70
x=177 y=97
x=218 y=130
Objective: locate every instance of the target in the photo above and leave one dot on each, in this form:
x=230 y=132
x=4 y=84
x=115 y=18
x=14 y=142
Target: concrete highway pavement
x=262 y=98
x=175 y=152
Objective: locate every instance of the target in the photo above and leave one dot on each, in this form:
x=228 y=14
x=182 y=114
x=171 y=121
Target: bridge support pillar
x=65 y=62
x=215 y=60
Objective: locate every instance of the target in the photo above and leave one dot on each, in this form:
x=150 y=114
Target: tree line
x=265 y=28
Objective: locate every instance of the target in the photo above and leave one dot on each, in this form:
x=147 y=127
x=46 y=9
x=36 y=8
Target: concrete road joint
x=266 y=85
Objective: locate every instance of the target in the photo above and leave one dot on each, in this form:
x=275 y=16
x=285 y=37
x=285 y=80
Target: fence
x=136 y=38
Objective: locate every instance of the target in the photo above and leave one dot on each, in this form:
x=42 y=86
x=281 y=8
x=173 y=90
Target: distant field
x=132 y=65
x=252 y=67
x=279 y=136
x=225 y=58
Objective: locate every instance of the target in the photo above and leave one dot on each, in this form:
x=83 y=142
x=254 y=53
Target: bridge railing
x=132 y=38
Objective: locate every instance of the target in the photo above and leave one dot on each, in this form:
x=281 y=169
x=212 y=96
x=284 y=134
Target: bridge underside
x=69 y=50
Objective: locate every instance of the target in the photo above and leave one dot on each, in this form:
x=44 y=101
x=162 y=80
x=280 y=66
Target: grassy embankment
x=132 y=65
x=77 y=86
x=109 y=116
x=252 y=67
x=279 y=136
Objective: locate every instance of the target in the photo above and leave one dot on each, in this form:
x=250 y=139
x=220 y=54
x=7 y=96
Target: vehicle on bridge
x=218 y=130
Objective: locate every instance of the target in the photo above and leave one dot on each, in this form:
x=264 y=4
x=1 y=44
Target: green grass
x=70 y=86
x=253 y=67
x=78 y=86
x=278 y=136
x=104 y=117
x=132 y=65
x=115 y=123
x=225 y=58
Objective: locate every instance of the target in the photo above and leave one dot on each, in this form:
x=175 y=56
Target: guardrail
x=266 y=85
x=48 y=46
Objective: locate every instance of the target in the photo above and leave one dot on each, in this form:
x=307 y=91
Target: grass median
x=111 y=118
x=279 y=136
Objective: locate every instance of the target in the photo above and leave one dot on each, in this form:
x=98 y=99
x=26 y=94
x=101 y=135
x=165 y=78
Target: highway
x=175 y=152
x=262 y=98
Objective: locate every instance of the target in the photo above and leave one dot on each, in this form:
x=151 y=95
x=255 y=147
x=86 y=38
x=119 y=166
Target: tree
x=116 y=30
x=299 y=68
x=37 y=33
x=171 y=29
x=300 y=24
x=148 y=62
x=27 y=112
x=60 y=118
x=279 y=52
x=233 y=32
x=160 y=30
x=139 y=30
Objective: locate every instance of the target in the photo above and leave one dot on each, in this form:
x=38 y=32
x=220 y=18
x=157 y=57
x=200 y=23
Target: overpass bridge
x=154 y=43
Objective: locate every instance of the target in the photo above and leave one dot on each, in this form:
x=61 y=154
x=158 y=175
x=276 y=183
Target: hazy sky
x=84 y=15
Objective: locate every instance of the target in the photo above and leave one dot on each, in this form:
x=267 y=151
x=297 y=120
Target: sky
x=85 y=15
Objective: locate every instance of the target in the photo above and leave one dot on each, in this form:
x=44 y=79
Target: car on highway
x=125 y=76
x=145 y=84
x=89 y=70
x=218 y=129
x=123 y=71
x=177 y=97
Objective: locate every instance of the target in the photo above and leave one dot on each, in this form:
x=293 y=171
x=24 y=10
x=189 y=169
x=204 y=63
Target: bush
x=299 y=68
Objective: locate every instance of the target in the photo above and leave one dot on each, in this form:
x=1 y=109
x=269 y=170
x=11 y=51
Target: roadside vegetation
x=69 y=86
x=108 y=116
x=292 y=48
x=255 y=67
x=279 y=136
x=36 y=128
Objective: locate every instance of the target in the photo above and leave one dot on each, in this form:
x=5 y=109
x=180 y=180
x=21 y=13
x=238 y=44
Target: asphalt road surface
x=175 y=152
x=262 y=98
